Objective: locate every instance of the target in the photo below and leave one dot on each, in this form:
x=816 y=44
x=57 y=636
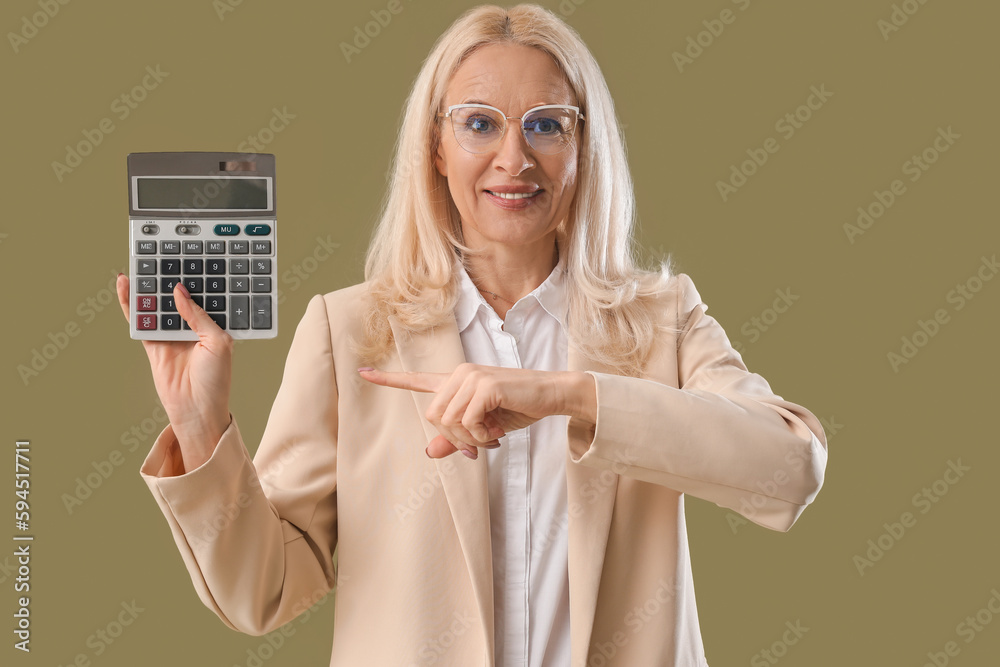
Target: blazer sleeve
x=721 y=434
x=258 y=536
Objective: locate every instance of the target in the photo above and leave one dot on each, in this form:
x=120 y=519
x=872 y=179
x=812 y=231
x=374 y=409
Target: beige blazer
x=341 y=466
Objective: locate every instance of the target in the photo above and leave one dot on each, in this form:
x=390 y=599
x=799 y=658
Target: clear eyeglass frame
x=567 y=135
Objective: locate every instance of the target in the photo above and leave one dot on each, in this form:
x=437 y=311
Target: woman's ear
x=439 y=159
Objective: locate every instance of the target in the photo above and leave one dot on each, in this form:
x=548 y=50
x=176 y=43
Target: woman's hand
x=192 y=379
x=476 y=405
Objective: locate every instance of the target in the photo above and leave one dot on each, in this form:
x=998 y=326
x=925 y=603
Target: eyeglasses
x=479 y=128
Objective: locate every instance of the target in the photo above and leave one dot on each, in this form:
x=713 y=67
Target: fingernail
x=470 y=454
x=365 y=368
x=184 y=291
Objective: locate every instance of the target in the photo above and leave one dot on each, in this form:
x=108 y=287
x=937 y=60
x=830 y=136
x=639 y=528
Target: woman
x=503 y=312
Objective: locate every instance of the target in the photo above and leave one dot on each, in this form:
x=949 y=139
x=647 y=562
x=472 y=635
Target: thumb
x=122 y=287
x=440 y=447
x=192 y=313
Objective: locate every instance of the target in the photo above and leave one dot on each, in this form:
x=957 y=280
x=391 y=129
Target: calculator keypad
x=230 y=273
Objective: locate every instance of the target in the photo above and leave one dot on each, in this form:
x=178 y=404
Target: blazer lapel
x=588 y=532
x=467 y=490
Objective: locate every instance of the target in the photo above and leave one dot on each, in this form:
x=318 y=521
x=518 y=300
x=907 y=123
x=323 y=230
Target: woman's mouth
x=512 y=201
x=514 y=195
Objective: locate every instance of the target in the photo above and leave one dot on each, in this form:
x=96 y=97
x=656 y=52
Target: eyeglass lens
x=479 y=129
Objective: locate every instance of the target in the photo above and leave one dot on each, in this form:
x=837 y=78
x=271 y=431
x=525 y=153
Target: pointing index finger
x=414 y=381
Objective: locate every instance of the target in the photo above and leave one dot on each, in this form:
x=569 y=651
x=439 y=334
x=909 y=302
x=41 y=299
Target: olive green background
x=892 y=431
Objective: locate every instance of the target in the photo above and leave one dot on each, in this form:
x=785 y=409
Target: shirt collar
x=551 y=294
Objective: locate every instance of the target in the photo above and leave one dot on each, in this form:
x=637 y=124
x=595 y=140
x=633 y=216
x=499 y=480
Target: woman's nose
x=513 y=153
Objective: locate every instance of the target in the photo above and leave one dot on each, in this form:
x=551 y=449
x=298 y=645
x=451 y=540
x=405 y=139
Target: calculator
x=207 y=220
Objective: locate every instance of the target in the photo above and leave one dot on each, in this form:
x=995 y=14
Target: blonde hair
x=612 y=315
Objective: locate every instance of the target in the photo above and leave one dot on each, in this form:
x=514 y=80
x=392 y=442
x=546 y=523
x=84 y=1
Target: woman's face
x=513 y=79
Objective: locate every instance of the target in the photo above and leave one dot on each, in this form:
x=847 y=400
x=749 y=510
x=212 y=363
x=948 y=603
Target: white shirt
x=529 y=516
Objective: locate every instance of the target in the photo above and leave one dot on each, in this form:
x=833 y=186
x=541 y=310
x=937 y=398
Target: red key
x=145 y=303
x=146 y=322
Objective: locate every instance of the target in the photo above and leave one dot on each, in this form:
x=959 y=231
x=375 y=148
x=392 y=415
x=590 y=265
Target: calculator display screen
x=217 y=193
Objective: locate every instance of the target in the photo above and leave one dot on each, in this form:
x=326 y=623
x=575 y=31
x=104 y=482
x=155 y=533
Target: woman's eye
x=545 y=126
x=479 y=124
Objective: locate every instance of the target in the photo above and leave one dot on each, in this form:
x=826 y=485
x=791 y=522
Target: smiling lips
x=513 y=195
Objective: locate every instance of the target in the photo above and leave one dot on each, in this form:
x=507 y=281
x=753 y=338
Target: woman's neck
x=505 y=274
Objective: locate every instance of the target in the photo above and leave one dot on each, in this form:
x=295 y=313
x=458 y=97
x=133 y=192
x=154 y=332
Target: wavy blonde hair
x=612 y=316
